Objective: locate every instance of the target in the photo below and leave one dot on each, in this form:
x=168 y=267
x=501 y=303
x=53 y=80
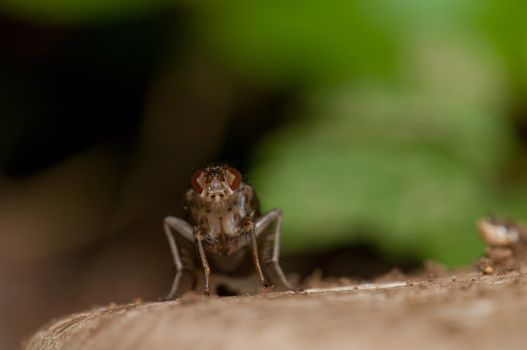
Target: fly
x=223 y=229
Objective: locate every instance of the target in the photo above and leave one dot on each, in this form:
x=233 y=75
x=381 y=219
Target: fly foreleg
x=204 y=262
x=249 y=226
x=261 y=224
x=184 y=229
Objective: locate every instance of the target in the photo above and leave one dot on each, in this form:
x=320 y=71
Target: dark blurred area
x=382 y=131
x=103 y=123
x=72 y=86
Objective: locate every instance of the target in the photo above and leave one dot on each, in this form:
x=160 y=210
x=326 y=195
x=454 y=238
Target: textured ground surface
x=467 y=310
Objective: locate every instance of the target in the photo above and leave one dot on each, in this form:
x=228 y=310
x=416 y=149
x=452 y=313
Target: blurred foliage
x=503 y=23
x=410 y=159
x=285 y=41
x=407 y=169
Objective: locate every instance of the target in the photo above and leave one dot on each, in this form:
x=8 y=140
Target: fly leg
x=261 y=224
x=204 y=262
x=248 y=225
x=184 y=229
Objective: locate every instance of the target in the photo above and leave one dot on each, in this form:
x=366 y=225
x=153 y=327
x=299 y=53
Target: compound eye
x=234 y=178
x=195 y=181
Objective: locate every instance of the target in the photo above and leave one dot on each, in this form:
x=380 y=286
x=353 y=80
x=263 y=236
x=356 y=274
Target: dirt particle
x=488 y=269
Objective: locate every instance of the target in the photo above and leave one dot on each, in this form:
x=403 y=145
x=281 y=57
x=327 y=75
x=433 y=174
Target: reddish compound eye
x=234 y=178
x=194 y=182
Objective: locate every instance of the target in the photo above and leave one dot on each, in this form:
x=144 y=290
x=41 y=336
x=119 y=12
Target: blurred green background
x=389 y=125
